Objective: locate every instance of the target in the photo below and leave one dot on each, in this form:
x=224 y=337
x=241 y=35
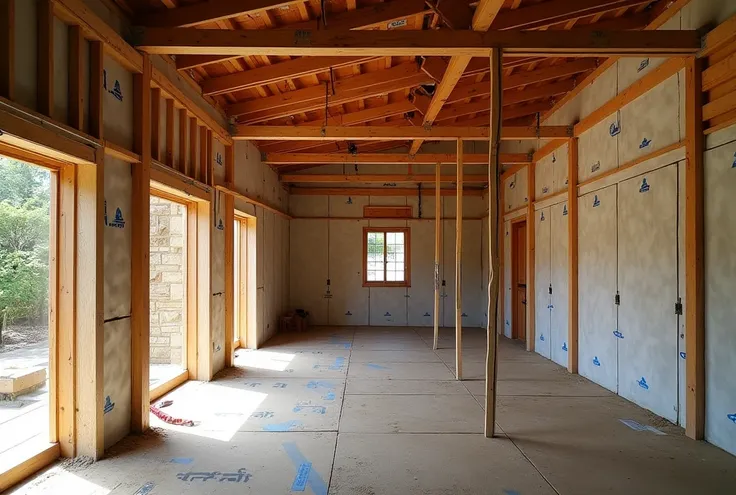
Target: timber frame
x=355 y=85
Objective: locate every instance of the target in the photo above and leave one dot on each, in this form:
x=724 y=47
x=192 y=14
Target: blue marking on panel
x=348 y=313
x=302 y=476
x=733 y=165
x=614 y=129
x=596 y=361
x=732 y=417
x=109 y=405
x=564 y=346
x=595 y=167
x=683 y=355
x=643 y=383
x=338 y=364
x=279 y=385
x=329 y=396
x=314 y=480
x=541 y=219
x=643 y=65
x=541 y=337
x=564 y=211
x=320 y=384
x=182 y=460
x=596 y=201
x=644 y=186
x=645 y=143
x=618 y=334
x=286 y=426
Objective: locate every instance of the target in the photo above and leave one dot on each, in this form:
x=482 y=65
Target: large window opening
x=26 y=249
x=168 y=290
x=386 y=257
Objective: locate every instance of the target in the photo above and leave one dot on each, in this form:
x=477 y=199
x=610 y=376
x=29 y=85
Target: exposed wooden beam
x=572 y=256
x=373 y=178
x=270 y=74
x=390 y=158
x=190 y=41
x=373 y=133
x=485 y=105
x=76 y=77
x=459 y=262
x=45 y=59
x=375 y=191
x=545 y=14
x=455 y=14
x=397 y=78
x=719 y=37
x=210 y=11
x=437 y=252
x=372 y=17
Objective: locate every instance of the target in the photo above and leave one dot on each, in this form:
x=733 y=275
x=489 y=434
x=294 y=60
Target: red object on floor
x=170 y=419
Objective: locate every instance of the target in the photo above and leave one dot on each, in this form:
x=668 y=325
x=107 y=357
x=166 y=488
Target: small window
x=386 y=257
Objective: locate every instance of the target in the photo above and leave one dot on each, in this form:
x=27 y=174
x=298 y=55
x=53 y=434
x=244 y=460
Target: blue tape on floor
x=302 y=476
x=286 y=426
x=376 y=366
x=315 y=481
x=182 y=460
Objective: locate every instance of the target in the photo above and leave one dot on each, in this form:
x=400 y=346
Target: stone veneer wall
x=168 y=281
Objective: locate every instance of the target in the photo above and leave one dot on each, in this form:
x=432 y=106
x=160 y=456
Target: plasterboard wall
x=259 y=182
x=326 y=244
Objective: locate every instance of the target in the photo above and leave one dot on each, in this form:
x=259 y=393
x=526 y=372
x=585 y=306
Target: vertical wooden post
x=209 y=178
x=76 y=78
x=89 y=338
x=140 y=288
x=183 y=119
x=501 y=260
x=530 y=253
x=7 y=49
x=572 y=271
x=170 y=132
x=193 y=132
x=204 y=290
x=437 y=251
x=96 y=68
x=694 y=252
x=45 y=76
x=156 y=124
x=494 y=208
x=67 y=312
x=203 y=154
x=230 y=292
x=459 y=265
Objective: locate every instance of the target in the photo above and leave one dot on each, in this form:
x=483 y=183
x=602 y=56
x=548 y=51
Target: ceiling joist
x=390 y=158
x=189 y=41
x=377 y=178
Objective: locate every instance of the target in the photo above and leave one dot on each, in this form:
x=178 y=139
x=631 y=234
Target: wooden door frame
x=514 y=224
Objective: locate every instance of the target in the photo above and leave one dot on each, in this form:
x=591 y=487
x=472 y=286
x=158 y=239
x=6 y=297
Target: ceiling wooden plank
x=210 y=11
x=375 y=191
x=389 y=158
x=404 y=133
x=270 y=74
x=377 y=178
x=189 y=41
x=546 y=14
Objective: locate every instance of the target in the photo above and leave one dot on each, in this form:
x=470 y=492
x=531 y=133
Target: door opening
x=518 y=280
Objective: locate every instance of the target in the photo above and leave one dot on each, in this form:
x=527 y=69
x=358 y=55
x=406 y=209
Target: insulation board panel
x=542 y=281
x=560 y=283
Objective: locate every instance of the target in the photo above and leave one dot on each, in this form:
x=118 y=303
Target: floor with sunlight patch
x=377 y=411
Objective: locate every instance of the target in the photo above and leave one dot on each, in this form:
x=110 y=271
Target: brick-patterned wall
x=168 y=281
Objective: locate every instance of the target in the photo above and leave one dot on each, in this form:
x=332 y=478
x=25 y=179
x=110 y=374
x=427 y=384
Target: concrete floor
x=375 y=411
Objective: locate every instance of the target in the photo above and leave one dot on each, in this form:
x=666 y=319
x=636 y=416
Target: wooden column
x=694 y=252
x=170 y=115
x=530 y=253
x=494 y=208
x=96 y=68
x=76 y=78
x=459 y=265
x=501 y=259
x=193 y=133
x=140 y=319
x=230 y=292
x=203 y=154
x=437 y=251
x=156 y=124
x=572 y=272
x=45 y=64
x=7 y=49
x=89 y=336
x=183 y=119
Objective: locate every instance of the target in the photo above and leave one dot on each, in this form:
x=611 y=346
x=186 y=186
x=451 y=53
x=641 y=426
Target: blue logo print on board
x=732 y=417
x=733 y=165
x=109 y=405
x=643 y=65
x=683 y=355
x=618 y=334
x=595 y=167
x=564 y=346
x=614 y=129
x=596 y=361
x=644 y=143
x=596 y=201
x=542 y=217
x=644 y=186
x=564 y=211
x=119 y=222
x=643 y=383
x=541 y=337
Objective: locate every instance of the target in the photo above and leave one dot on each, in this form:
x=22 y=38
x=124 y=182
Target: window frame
x=407 y=256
